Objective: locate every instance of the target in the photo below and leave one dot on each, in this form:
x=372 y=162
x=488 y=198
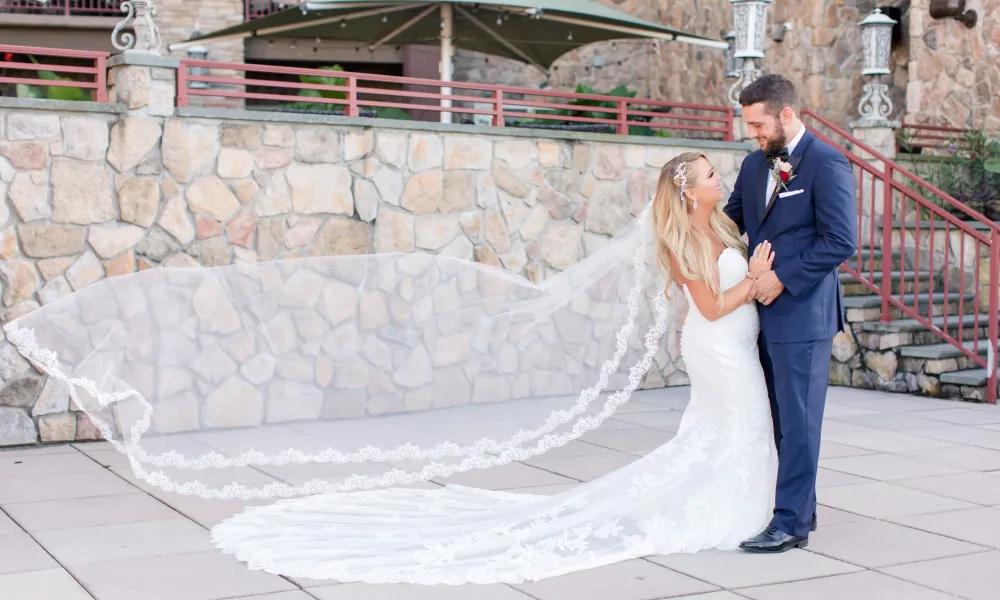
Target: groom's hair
x=774 y=91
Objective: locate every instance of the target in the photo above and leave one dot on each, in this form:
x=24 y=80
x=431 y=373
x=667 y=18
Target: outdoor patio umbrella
x=536 y=32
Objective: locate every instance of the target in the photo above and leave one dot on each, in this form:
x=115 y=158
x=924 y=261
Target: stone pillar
x=140 y=77
x=880 y=137
x=144 y=83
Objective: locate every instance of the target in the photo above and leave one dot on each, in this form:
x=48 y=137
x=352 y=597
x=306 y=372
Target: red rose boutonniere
x=782 y=173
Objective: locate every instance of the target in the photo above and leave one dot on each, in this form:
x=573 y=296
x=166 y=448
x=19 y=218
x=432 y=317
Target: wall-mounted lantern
x=953 y=9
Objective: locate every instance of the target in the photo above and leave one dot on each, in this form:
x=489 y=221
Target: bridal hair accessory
x=680 y=177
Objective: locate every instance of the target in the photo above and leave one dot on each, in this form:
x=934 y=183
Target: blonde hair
x=678 y=238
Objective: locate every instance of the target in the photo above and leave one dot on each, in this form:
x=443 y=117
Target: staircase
x=904 y=354
x=922 y=295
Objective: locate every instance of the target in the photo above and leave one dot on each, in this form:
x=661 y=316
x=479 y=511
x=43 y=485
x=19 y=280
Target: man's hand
x=766 y=288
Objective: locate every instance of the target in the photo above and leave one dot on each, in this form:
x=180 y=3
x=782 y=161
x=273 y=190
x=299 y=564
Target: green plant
x=590 y=109
x=51 y=92
x=905 y=140
x=334 y=81
x=970 y=172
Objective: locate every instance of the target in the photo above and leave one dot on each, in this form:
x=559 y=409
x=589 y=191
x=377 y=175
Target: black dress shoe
x=815 y=523
x=774 y=540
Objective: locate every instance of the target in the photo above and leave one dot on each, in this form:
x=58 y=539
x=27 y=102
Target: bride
x=402 y=368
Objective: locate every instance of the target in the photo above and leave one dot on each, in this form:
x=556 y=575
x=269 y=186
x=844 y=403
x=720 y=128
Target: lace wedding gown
x=712 y=486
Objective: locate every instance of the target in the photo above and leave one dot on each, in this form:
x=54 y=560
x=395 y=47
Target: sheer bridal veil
x=352 y=372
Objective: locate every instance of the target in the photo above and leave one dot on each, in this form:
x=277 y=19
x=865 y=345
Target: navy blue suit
x=812 y=226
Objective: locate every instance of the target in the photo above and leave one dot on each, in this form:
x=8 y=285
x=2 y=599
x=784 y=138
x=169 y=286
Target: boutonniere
x=782 y=173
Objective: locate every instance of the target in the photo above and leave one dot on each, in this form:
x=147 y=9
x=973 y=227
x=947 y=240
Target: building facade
x=944 y=72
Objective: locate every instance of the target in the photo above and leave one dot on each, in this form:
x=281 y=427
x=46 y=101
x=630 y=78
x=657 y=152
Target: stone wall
x=955 y=72
x=180 y=19
x=89 y=195
x=675 y=72
x=821 y=53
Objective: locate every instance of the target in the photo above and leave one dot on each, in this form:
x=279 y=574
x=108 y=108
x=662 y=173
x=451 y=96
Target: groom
x=798 y=193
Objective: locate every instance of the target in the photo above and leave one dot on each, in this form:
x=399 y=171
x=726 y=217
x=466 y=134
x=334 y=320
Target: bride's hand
x=761 y=260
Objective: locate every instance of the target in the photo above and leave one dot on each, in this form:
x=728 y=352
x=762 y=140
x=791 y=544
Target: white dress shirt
x=771 y=183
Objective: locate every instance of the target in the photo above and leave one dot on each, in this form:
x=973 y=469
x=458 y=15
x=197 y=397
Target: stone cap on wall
x=430 y=126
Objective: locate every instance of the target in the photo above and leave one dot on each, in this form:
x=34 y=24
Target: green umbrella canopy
x=536 y=32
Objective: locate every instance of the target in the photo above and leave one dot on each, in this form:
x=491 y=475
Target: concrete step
x=912 y=325
x=901 y=281
x=942 y=351
x=876 y=335
x=872 y=301
x=877 y=276
x=869 y=308
x=966 y=378
x=925 y=225
x=939 y=359
x=871 y=260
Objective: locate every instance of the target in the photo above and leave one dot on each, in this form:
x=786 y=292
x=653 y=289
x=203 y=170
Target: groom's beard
x=779 y=140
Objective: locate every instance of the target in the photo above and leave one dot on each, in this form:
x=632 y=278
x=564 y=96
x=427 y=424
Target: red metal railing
x=919 y=137
x=362 y=92
x=92 y=77
x=949 y=269
x=68 y=8
x=254 y=9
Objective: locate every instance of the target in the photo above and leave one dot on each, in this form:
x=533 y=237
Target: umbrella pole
x=447 y=35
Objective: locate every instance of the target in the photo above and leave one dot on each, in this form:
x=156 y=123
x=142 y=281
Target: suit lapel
x=761 y=194
x=793 y=160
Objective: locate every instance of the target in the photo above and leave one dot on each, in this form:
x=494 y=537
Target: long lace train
x=710 y=487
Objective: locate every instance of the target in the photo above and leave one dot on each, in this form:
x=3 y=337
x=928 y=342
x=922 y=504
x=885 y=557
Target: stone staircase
x=903 y=355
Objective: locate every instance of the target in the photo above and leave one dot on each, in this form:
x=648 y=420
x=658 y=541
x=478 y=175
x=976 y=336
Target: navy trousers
x=797 y=376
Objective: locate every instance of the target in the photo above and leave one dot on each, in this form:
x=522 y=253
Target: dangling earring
x=694 y=204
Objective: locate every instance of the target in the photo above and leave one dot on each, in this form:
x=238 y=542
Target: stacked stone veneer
x=942 y=72
x=103 y=191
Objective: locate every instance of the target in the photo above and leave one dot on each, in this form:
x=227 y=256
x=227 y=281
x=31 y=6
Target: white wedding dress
x=712 y=486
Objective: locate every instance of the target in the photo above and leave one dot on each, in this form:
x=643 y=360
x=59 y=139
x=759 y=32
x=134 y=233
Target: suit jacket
x=812 y=226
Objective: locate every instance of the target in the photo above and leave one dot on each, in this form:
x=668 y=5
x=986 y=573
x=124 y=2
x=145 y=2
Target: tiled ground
x=909 y=488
